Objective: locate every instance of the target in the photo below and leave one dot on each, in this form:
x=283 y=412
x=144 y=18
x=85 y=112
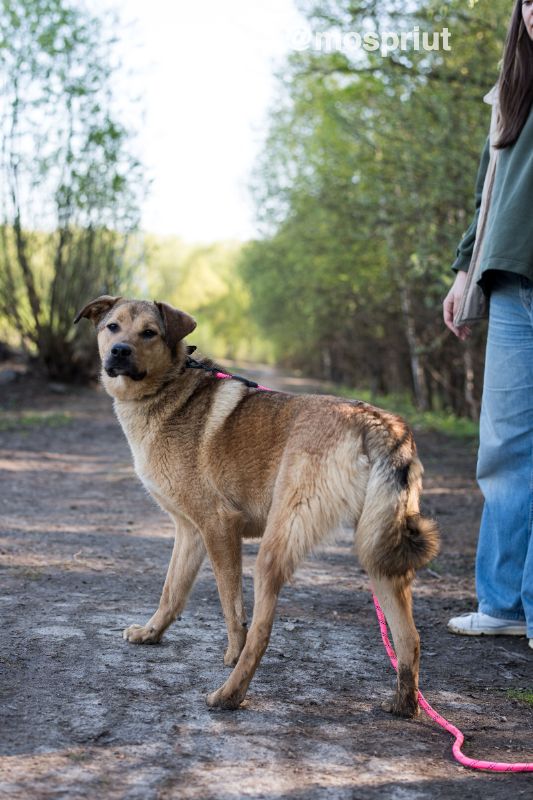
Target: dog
x=229 y=461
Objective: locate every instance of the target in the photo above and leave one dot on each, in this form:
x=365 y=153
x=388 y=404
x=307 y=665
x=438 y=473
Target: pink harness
x=473 y=763
x=249 y=383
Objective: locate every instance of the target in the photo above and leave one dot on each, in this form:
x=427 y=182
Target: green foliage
x=71 y=184
x=204 y=280
x=364 y=188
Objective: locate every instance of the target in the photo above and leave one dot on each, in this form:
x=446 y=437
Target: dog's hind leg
x=395 y=598
x=267 y=584
x=296 y=522
x=187 y=556
x=393 y=540
x=224 y=547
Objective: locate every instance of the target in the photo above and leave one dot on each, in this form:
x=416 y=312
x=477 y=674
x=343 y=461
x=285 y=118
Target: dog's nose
x=121 y=350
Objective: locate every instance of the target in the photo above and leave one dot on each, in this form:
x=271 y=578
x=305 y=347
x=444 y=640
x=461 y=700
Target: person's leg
x=527 y=578
x=504 y=564
x=505 y=455
x=527 y=582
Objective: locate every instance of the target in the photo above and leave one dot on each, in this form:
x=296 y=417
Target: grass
x=13 y=421
x=441 y=421
x=400 y=403
x=78 y=756
x=524 y=695
x=28 y=573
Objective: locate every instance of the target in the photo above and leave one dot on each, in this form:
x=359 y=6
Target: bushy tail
x=393 y=539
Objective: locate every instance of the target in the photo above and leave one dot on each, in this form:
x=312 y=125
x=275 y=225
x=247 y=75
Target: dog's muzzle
x=119 y=362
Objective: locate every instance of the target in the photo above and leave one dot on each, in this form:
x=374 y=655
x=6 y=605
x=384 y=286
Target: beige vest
x=474 y=305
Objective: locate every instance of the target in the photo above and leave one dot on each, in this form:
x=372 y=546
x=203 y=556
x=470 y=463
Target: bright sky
x=204 y=71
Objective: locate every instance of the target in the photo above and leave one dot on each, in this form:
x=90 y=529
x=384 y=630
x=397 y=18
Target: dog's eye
x=113 y=327
x=148 y=334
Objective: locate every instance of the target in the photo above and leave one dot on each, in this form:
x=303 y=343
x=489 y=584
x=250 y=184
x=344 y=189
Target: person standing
x=504 y=560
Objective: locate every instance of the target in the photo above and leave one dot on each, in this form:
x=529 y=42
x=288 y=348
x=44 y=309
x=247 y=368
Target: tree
x=363 y=191
x=205 y=281
x=70 y=183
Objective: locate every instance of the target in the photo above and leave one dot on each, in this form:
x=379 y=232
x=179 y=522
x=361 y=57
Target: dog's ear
x=97 y=309
x=177 y=324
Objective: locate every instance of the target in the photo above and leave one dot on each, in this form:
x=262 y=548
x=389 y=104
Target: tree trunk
x=417 y=371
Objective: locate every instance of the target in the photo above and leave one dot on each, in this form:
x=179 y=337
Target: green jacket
x=508 y=242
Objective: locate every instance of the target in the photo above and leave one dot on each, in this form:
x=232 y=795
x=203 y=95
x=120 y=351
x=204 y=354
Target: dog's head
x=139 y=342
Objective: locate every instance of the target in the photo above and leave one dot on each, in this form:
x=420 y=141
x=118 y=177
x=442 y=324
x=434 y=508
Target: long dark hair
x=516 y=80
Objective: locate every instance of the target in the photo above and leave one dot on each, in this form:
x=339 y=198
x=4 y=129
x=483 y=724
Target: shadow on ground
x=85 y=714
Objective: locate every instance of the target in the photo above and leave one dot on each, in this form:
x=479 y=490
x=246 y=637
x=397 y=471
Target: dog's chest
x=158 y=475
x=154 y=465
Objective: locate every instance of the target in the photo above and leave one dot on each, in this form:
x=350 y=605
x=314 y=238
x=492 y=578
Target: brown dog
x=228 y=461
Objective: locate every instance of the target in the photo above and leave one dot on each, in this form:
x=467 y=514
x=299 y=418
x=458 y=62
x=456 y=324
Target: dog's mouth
x=115 y=370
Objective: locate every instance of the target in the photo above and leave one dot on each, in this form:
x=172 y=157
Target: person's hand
x=451 y=304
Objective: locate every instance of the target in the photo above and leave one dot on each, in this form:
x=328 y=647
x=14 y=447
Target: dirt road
x=86 y=715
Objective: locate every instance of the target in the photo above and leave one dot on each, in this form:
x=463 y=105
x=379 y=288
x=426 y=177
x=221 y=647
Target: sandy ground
x=84 y=714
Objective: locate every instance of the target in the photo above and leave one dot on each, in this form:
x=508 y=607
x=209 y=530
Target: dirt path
x=87 y=715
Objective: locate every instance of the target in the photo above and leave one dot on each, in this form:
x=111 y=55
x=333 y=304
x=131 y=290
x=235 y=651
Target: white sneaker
x=479 y=624
x=531 y=643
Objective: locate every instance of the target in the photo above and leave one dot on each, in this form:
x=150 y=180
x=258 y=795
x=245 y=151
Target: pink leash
x=473 y=763
x=256 y=386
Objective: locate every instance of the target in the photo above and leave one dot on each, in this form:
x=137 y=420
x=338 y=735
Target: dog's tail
x=393 y=539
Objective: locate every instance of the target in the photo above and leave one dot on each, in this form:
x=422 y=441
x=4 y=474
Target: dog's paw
x=220 y=700
x=141 y=634
x=409 y=708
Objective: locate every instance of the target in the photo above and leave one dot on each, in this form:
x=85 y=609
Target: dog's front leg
x=187 y=556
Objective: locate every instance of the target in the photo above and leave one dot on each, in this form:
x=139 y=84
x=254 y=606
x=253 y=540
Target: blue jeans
x=504 y=563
